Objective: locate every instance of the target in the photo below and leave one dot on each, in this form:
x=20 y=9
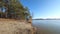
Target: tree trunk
x=6 y=15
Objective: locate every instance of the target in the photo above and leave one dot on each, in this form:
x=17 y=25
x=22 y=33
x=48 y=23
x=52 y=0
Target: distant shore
x=45 y=19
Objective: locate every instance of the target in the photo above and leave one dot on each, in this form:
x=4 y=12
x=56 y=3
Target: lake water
x=47 y=26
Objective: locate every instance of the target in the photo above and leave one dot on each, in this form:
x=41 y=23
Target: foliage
x=14 y=7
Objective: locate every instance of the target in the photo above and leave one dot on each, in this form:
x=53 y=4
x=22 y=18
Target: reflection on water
x=47 y=26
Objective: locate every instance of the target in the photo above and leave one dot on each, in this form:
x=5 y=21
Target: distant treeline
x=46 y=19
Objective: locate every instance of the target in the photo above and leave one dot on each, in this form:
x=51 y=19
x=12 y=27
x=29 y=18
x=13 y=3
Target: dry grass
x=11 y=26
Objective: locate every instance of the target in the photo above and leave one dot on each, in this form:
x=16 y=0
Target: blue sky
x=43 y=8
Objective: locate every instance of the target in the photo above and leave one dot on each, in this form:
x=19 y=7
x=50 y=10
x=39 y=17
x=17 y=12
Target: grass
x=11 y=26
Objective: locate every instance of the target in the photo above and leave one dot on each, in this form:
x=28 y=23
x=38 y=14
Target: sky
x=43 y=8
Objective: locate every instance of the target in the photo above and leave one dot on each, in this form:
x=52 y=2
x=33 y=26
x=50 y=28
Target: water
x=47 y=26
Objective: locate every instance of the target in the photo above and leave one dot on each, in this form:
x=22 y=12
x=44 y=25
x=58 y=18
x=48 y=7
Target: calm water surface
x=47 y=26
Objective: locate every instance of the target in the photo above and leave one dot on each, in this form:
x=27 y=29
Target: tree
x=14 y=9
